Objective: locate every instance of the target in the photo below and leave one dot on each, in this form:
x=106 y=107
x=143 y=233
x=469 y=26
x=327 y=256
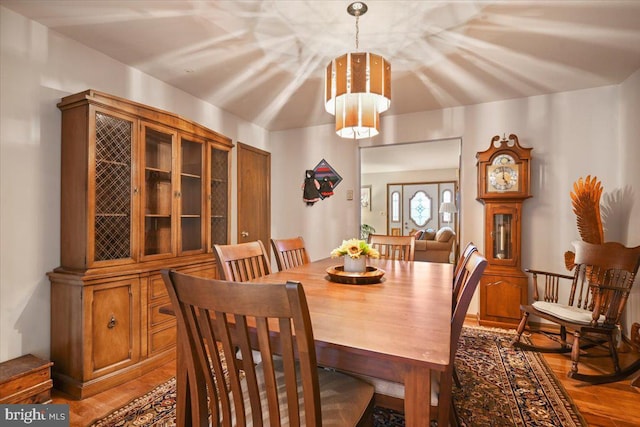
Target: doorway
x=407 y=163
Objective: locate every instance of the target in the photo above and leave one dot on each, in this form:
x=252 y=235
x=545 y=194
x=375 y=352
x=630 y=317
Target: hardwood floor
x=83 y=412
x=607 y=405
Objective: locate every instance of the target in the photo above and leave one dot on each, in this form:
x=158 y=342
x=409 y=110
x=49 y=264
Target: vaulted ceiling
x=265 y=61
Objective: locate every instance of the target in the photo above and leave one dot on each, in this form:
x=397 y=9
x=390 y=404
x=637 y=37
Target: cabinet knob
x=244 y=234
x=112 y=322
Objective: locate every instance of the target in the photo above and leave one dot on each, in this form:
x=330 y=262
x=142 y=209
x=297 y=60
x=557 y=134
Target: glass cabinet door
x=158 y=192
x=192 y=236
x=219 y=196
x=113 y=218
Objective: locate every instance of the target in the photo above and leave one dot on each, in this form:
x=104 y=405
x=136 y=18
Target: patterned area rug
x=501 y=386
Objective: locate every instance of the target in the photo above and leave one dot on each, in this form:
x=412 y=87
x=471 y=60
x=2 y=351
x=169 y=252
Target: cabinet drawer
x=157 y=288
x=155 y=317
x=162 y=339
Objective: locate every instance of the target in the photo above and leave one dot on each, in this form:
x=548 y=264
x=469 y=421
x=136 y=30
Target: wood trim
x=153 y=114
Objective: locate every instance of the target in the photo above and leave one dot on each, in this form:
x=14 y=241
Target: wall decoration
x=319 y=183
x=324 y=170
x=365 y=197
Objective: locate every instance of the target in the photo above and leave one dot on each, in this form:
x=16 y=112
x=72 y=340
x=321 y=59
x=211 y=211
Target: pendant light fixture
x=358 y=88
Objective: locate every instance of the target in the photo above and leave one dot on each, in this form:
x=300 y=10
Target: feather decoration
x=586 y=205
x=585 y=200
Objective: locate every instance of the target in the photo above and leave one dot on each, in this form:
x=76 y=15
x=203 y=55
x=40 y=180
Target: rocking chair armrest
x=550 y=293
x=548 y=273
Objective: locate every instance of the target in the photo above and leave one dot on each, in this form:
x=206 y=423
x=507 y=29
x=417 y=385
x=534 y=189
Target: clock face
x=502 y=174
x=503 y=178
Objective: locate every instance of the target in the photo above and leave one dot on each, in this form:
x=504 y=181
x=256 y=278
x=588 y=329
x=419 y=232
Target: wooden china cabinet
x=503 y=185
x=142 y=189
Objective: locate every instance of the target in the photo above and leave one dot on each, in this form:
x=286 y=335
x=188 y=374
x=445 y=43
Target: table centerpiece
x=354 y=253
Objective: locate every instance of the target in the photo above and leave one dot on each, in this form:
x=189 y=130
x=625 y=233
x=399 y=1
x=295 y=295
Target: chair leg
x=575 y=354
x=614 y=354
x=520 y=330
x=456 y=380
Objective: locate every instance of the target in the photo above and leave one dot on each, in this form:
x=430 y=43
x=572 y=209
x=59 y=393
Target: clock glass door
x=502 y=242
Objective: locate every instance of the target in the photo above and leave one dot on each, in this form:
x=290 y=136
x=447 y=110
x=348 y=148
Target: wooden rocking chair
x=604 y=275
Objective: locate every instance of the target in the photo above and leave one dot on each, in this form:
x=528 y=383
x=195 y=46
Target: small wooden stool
x=26 y=379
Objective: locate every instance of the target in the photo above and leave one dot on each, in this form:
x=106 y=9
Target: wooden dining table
x=397 y=329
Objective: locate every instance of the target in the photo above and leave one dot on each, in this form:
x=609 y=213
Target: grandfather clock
x=503 y=184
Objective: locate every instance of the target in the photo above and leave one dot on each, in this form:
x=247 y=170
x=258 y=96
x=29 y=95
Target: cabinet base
x=82 y=389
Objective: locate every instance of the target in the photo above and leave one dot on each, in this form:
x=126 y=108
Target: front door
x=416 y=206
x=254 y=195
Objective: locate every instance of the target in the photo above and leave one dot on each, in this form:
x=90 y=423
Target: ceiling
x=264 y=61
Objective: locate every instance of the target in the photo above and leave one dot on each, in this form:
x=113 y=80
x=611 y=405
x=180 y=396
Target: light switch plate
x=349 y=194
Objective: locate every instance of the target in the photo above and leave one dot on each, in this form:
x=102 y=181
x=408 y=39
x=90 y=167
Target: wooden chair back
x=216 y=317
x=474 y=267
x=220 y=323
x=243 y=261
x=460 y=272
x=290 y=252
x=394 y=247
x=603 y=279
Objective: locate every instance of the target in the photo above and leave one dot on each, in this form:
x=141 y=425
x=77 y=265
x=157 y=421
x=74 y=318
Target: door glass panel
x=395 y=206
x=447 y=197
x=191 y=195
x=158 y=192
x=502 y=236
x=420 y=208
x=113 y=188
x=219 y=196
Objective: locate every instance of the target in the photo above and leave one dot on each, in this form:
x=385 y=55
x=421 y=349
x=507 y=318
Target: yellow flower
x=354 y=248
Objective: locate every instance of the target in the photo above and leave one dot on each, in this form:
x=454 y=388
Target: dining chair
x=394 y=247
x=460 y=271
x=391 y=395
x=216 y=316
x=290 y=252
x=243 y=261
x=597 y=295
x=459 y=278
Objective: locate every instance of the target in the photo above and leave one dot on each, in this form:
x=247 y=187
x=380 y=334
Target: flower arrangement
x=355 y=248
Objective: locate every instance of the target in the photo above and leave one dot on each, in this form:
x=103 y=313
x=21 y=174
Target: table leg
x=417 y=397
x=444 y=398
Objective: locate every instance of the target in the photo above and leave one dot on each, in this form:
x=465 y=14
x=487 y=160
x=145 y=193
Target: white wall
x=37 y=68
x=592 y=131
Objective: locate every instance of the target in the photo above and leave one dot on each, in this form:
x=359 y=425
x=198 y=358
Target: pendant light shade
x=358 y=89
